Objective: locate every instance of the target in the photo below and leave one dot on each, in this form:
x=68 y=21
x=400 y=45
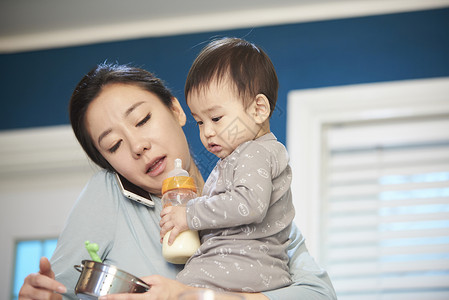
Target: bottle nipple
x=178 y=170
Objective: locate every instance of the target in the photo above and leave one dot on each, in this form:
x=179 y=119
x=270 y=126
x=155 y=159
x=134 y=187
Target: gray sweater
x=245 y=221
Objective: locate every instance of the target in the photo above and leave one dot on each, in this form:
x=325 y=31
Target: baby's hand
x=173 y=218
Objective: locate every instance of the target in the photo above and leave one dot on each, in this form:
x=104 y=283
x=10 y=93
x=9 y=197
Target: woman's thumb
x=45 y=268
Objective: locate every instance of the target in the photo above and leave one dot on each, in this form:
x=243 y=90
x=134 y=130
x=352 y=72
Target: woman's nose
x=140 y=146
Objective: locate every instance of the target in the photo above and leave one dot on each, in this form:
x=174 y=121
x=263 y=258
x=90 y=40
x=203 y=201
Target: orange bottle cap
x=178 y=182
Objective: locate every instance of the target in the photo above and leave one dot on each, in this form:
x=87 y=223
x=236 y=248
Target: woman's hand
x=161 y=289
x=167 y=289
x=173 y=218
x=42 y=285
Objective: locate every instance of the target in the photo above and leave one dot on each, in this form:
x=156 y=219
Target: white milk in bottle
x=177 y=190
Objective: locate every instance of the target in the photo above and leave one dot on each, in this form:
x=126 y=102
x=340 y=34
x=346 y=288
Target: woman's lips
x=156 y=167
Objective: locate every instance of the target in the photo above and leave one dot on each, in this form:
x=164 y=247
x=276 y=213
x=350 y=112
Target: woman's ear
x=178 y=111
x=260 y=109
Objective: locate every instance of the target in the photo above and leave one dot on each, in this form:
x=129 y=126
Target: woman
x=128 y=122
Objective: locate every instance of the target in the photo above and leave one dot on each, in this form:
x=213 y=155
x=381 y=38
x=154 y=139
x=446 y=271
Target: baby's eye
x=144 y=120
x=115 y=147
x=216 y=119
x=199 y=123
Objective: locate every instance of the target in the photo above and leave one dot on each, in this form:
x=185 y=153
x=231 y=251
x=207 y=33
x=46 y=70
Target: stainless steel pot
x=98 y=279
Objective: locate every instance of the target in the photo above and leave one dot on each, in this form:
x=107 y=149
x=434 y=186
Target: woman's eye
x=216 y=119
x=115 y=147
x=144 y=120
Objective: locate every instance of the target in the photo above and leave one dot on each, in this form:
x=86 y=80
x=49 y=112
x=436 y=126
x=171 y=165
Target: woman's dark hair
x=90 y=87
x=249 y=68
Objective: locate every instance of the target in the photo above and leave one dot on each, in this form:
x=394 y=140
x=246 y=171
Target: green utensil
x=92 y=248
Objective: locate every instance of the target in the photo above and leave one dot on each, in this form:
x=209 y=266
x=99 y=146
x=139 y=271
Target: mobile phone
x=134 y=192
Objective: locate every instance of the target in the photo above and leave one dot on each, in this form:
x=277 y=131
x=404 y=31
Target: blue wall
x=36 y=85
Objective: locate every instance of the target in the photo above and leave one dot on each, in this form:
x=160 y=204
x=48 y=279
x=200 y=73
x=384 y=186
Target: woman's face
x=137 y=134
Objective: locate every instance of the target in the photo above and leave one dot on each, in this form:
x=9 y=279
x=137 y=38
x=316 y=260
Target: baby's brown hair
x=246 y=65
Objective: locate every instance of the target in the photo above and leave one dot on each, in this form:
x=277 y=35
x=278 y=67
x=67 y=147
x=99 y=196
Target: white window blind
x=385 y=212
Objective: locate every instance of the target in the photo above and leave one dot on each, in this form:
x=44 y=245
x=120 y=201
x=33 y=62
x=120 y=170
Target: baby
x=244 y=216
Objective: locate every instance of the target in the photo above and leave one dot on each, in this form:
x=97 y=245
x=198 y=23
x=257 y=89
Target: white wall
x=42 y=172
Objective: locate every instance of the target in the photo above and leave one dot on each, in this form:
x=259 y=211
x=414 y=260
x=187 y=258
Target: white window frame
x=308 y=111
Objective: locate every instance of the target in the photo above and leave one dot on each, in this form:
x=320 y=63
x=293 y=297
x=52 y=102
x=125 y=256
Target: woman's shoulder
x=102 y=175
x=102 y=180
x=101 y=188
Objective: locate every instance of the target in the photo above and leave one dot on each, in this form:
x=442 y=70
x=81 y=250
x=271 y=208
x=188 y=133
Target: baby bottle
x=177 y=190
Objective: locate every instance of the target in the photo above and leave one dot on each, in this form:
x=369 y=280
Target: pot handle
x=79 y=268
x=143 y=284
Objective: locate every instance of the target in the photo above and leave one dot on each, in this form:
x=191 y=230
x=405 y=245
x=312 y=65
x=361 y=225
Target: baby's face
x=223 y=120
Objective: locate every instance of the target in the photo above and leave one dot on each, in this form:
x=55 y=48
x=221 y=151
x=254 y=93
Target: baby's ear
x=260 y=108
